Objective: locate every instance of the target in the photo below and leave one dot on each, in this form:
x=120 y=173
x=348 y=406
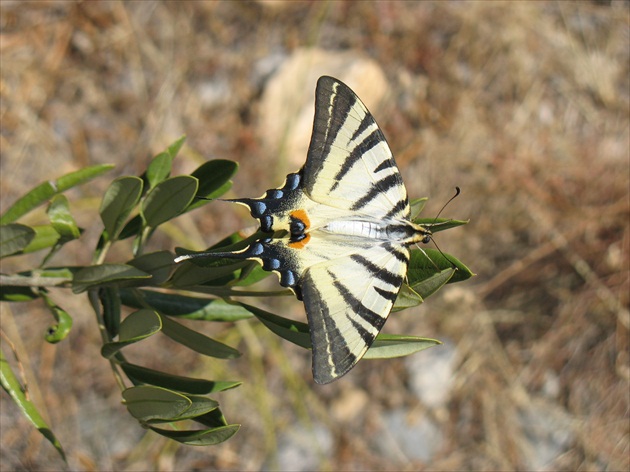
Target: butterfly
x=339 y=231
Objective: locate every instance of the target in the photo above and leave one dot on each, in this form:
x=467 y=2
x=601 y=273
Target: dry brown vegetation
x=525 y=106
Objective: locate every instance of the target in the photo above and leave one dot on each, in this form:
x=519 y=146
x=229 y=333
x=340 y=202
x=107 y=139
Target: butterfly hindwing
x=347 y=301
x=348 y=288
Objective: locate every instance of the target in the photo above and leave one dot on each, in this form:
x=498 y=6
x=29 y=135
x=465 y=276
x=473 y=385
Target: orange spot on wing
x=302 y=216
x=302 y=243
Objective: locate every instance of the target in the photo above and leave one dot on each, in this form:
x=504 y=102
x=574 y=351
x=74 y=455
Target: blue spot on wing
x=288 y=278
x=257 y=208
x=275 y=203
x=275 y=194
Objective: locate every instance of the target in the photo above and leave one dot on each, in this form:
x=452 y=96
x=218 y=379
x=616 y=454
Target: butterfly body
x=339 y=231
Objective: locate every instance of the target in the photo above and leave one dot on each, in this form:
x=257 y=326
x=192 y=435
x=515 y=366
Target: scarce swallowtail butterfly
x=346 y=220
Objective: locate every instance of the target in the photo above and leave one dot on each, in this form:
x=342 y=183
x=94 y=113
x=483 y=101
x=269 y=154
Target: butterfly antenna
x=444 y=255
x=440 y=251
x=457 y=192
x=426 y=255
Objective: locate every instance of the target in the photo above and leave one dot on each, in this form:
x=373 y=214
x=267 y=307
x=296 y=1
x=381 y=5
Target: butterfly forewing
x=349 y=164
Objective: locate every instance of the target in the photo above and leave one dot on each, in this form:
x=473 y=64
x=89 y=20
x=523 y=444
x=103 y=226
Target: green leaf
x=159 y=168
x=214 y=180
x=216 y=272
x=119 y=200
x=139 y=374
x=110 y=301
x=158 y=264
x=250 y=274
x=462 y=273
x=107 y=275
x=12 y=386
x=206 y=437
x=200 y=406
x=14 y=238
x=293 y=331
x=426 y=263
x=212 y=419
x=10 y=293
x=417 y=206
x=428 y=287
x=435 y=225
x=139 y=325
x=407 y=298
x=47 y=190
x=158 y=405
x=45 y=236
x=38 y=195
x=191 y=308
x=168 y=199
x=147 y=403
x=387 y=346
x=197 y=341
x=132 y=229
x=136 y=327
x=59 y=331
x=174 y=148
x=81 y=176
x=161 y=165
x=62 y=220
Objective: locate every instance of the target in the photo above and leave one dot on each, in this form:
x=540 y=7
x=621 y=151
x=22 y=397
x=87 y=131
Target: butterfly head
x=420 y=234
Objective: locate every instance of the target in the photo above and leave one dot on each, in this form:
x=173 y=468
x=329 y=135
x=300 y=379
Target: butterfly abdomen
x=399 y=231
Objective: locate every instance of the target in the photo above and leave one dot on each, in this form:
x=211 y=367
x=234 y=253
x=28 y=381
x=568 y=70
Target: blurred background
x=525 y=106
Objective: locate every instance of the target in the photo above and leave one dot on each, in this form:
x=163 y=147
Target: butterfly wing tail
x=252 y=252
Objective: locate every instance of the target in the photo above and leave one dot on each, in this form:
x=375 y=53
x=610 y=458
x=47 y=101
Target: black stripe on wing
x=333 y=102
x=395 y=280
x=332 y=357
x=366 y=122
x=377 y=189
x=372 y=140
x=390 y=295
x=386 y=164
x=371 y=317
x=399 y=253
x=400 y=209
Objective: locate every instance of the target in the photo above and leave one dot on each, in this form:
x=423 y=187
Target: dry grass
x=523 y=105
